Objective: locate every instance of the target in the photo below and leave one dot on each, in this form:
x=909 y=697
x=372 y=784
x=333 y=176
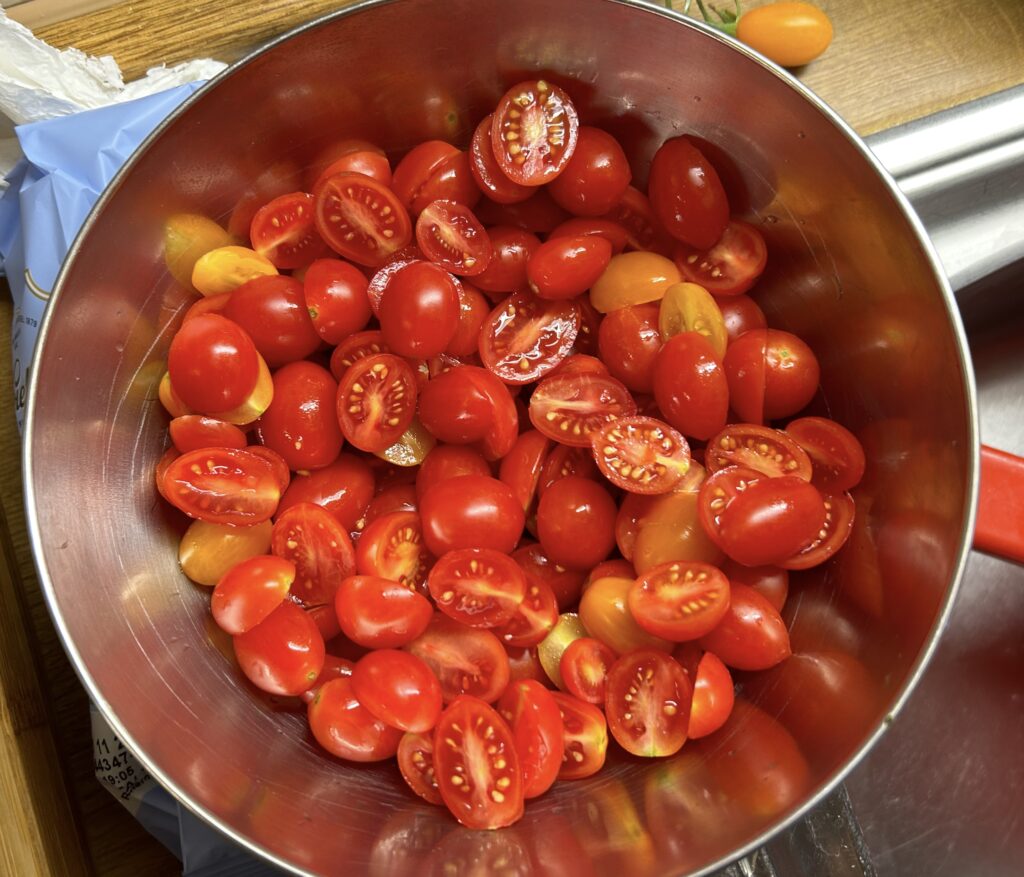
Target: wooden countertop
x=891 y=61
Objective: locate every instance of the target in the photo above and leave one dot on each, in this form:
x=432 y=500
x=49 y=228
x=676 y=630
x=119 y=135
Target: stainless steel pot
x=851 y=270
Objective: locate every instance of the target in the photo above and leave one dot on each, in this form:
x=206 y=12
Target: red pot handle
x=1000 y=523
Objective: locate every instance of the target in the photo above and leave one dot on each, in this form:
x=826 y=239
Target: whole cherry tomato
x=595 y=178
x=686 y=194
x=471 y=511
x=335 y=294
x=576 y=522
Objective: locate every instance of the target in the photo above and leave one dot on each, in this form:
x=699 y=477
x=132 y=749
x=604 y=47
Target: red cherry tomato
x=731 y=266
x=452 y=237
x=334 y=668
x=449 y=461
x=524 y=664
x=511 y=249
x=566 y=460
x=763 y=449
x=641 y=454
x=477 y=587
x=336 y=151
x=361 y=219
x=538 y=214
x=584 y=668
x=595 y=178
x=740 y=313
x=381 y=614
x=453 y=407
x=399 y=689
x=284 y=653
x=466 y=660
x=284 y=231
x=345 y=728
x=420 y=310
x=434 y=170
x=282 y=474
x=222 y=486
x=301 y=423
x=344 y=488
x=647 y=702
x=634 y=213
x=570 y=408
x=249 y=591
x=213 y=364
x=536 y=725
x=473 y=311
x=567 y=267
x=521 y=467
x=356 y=347
x=488 y=175
x=369 y=162
x=752 y=635
x=584 y=736
x=416 y=763
x=376 y=401
x=534 y=131
x=312 y=539
x=629 y=342
x=576 y=522
x=535 y=617
x=477 y=766
x=835 y=453
x=192 y=432
x=526 y=337
x=713 y=696
x=611 y=231
x=771 y=582
x=391 y=547
x=690 y=386
x=679 y=600
x=336 y=298
x=839 y=514
x=272 y=310
x=686 y=194
x=471 y=511
x=772 y=374
x=566 y=584
x=581 y=364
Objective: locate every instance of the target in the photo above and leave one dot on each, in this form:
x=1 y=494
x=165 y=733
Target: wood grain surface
x=891 y=61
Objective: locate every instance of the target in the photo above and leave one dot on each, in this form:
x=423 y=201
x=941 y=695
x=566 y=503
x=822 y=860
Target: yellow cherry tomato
x=550 y=650
x=670 y=530
x=632 y=279
x=187 y=236
x=207 y=551
x=412 y=446
x=226 y=268
x=604 y=611
x=790 y=34
x=689 y=307
x=169 y=399
x=256 y=402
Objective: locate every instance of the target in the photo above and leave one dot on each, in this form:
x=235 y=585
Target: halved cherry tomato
x=713 y=696
x=584 y=736
x=332 y=153
x=311 y=538
x=336 y=298
x=731 y=266
x=839 y=515
x=226 y=268
x=687 y=307
x=361 y=219
x=690 y=386
x=250 y=591
x=382 y=276
x=647 y=702
x=378 y=613
x=334 y=668
x=584 y=668
x=376 y=401
x=471 y=511
x=604 y=611
x=434 y=170
x=761 y=448
x=576 y=522
x=345 y=728
x=284 y=231
x=491 y=179
x=466 y=660
x=570 y=408
x=191 y=432
x=222 y=486
x=356 y=347
x=521 y=466
x=273 y=311
x=595 y=178
x=525 y=337
x=629 y=341
x=452 y=237
x=419 y=312
x=477 y=587
x=686 y=194
x=535 y=617
x=301 y=423
x=344 y=488
x=477 y=766
x=416 y=764
x=772 y=374
x=581 y=364
x=550 y=651
x=538 y=214
x=399 y=689
x=633 y=279
x=207 y=551
x=752 y=635
x=453 y=407
x=771 y=582
x=392 y=548
x=566 y=267
x=836 y=455
x=536 y=724
x=449 y=461
x=565 y=583
x=368 y=162
x=641 y=454
x=634 y=213
x=740 y=314
x=213 y=364
x=680 y=600
x=474 y=308
x=533 y=132
x=284 y=653
x=511 y=249
x=563 y=461
x=611 y=231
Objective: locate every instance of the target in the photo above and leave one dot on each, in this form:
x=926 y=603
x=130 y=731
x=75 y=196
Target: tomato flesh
x=222 y=486
x=477 y=587
x=641 y=454
x=571 y=408
x=679 y=600
x=452 y=237
x=376 y=401
x=361 y=219
x=534 y=132
x=526 y=337
x=648 y=703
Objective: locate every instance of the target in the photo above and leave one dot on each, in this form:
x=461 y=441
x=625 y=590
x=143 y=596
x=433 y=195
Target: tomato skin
x=453 y=408
x=452 y=237
x=488 y=175
x=791 y=374
x=473 y=310
x=207 y=551
x=686 y=194
x=284 y=653
x=647 y=703
x=483 y=798
x=283 y=231
x=434 y=170
x=335 y=295
x=690 y=386
x=595 y=178
x=471 y=511
x=311 y=538
x=571 y=408
x=566 y=584
x=771 y=582
x=344 y=487
x=466 y=660
x=679 y=601
x=713 y=696
x=416 y=763
x=752 y=635
x=584 y=735
x=836 y=454
x=341 y=210
x=838 y=526
x=381 y=614
x=213 y=364
x=567 y=267
x=477 y=587
x=449 y=461
x=301 y=423
x=633 y=279
x=399 y=689
x=529 y=158
x=536 y=725
x=604 y=611
x=584 y=668
x=376 y=401
x=611 y=231
x=272 y=310
x=511 y=249
x=535 y=617
x=368 y=162
x=576 y=522
x=731 y=266
x=629 y=342
x=356 y=347
x=521 y=467
x=250 y=591
x=335 y=152
x=420 y=310
x=190 y=432
x=334 y=668
x=345 y=728
x=391 y=546
x=222 y=486
x=740 y=314
x=790 y=34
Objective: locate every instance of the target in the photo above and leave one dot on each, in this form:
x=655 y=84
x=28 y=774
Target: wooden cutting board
x=891 y=61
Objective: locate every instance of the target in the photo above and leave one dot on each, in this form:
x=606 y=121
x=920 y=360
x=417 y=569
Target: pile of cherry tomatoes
x=496 y=482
